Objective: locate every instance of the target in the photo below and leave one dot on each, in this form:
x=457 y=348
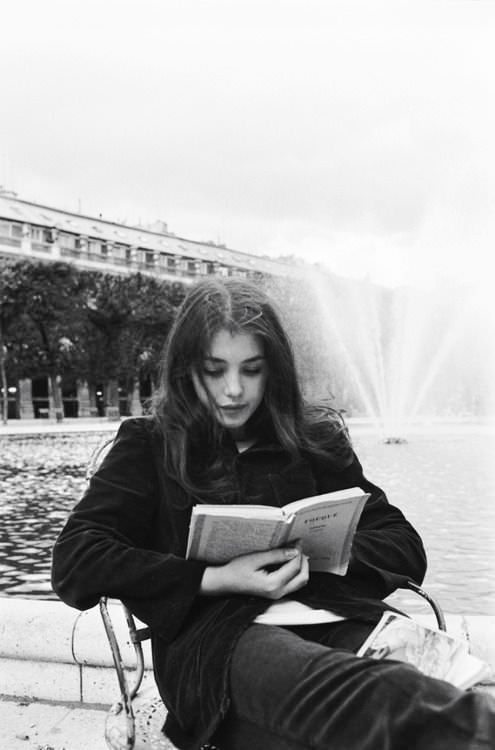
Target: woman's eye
x=212 y=373
x=252 y=371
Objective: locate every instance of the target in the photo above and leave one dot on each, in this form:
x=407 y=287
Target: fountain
x=395 y=357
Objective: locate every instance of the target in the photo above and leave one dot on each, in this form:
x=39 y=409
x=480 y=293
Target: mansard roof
x=14 y=209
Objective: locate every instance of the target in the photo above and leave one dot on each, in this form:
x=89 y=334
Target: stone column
x=84 y=404
x=26 y=410
x=133 y=256
x=136 y=406
x=111 y=399
x=93 y=408
x=55 y=400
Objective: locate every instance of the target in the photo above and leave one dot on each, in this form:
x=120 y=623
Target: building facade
x=41 y=233
x=31 y=230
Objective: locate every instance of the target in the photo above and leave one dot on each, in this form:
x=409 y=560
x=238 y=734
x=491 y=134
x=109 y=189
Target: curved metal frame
x=126 y=693
x=432 y=602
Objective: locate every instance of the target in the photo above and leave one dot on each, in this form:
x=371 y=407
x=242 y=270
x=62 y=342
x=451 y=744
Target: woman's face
x=234 y=374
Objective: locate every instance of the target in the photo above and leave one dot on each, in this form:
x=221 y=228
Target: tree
x=9 y=311
x=152 y=316
x=127 y=318
x=67 y=324
x=48 y=314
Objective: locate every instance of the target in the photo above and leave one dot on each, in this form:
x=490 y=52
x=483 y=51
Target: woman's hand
x=254 y=574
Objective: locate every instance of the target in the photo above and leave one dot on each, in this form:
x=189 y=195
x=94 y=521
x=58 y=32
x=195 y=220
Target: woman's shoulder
x=139 y=431
x=128 y=459
x=138 y=426
x=324 y=420
x=327 y=430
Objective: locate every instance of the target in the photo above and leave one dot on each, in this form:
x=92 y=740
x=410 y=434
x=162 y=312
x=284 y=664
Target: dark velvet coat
x=126 y=539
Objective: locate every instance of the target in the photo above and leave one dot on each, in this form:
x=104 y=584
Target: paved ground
x=355 y=424
x=40 y=426
x=32 y=725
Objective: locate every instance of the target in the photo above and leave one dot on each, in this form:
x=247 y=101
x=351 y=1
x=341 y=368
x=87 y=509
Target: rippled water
x=41 y=479
x=445 y=484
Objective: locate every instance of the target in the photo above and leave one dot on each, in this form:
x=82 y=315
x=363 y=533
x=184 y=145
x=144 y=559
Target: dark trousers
x=303 y=688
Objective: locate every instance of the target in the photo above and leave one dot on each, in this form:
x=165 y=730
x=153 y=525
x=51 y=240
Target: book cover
x=325 y=524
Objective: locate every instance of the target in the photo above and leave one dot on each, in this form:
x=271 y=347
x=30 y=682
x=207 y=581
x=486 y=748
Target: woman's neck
x=243 y=438
x=244 y=444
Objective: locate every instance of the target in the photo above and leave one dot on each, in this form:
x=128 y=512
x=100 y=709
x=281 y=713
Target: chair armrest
x=431 y=601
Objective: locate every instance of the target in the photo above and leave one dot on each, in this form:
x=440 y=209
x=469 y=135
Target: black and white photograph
x=247 y=374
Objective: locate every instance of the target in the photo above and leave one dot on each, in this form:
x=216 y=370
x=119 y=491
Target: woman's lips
x=233 y=408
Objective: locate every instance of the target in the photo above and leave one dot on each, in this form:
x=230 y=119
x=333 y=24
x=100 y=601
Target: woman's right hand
x=255 y=574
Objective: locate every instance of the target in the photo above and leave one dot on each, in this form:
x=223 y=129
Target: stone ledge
x=50 y=651
x=41 y=630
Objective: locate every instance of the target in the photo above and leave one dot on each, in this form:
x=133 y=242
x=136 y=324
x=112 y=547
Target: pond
x=444 y=483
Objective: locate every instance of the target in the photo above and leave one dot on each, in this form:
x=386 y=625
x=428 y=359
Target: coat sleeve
x=387 y=551
x=105 y=547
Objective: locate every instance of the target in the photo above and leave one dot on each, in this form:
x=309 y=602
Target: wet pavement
x=444 y=483
x=34 y=725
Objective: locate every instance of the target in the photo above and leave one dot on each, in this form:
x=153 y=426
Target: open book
x=434 y=652
x=325 y=524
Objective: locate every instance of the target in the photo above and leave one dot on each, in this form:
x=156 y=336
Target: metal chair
x=135 y=721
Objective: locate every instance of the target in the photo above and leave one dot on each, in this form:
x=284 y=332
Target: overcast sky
x=358 y=134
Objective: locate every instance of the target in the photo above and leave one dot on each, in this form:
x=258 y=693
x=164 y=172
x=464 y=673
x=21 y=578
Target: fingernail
x=291 y=552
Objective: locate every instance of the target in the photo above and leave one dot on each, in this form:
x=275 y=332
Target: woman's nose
x=233 y=385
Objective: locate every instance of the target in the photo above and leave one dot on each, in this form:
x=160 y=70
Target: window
x=121 y=253
x=11 y=232
x=67 y=241
x=94 y=247
x=41 y=235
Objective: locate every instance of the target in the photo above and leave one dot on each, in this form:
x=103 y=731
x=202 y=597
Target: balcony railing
x=160 y=266
x=44 y=247
x=12 y=241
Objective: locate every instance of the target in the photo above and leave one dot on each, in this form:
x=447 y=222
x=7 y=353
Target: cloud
x=355 y=132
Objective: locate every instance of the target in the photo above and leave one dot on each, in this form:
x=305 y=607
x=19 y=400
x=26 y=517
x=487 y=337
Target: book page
x=217 y=539
x=468 y=670
x=326 y=528
x=433 y=652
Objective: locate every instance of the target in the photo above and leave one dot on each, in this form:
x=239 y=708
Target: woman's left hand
x=271 y=574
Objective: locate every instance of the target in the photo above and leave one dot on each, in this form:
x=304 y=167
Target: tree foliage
x=127 y=320
x=69 y=324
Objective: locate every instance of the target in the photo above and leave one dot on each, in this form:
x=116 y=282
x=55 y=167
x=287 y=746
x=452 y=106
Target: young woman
x=230 y=426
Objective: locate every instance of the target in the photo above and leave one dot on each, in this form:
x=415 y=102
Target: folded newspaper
x=325 y=525
x=433 y=652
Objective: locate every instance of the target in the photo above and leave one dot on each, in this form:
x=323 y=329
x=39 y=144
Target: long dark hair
x=238 y=307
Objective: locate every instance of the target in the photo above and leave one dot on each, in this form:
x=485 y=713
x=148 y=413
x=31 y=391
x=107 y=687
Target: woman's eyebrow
x=256 y=358
x=219 y=360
